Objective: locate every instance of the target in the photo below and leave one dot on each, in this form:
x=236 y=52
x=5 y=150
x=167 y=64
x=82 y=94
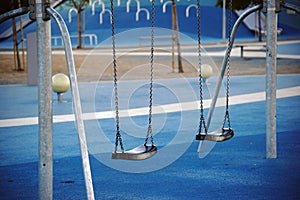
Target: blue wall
x=211 y=23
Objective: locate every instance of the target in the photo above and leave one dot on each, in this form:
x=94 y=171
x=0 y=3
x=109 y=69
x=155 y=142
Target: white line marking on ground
x=168 y=108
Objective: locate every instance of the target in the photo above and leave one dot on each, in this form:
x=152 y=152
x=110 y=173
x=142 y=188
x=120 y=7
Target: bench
x=242 y=47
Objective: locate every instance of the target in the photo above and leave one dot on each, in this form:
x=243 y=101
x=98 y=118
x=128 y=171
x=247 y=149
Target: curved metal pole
x=13 y=13
x=76 y=102
x=227 y=55
x=291 y=7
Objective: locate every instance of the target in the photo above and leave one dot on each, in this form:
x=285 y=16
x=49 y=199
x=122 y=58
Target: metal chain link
x=118 y=135
x=201 y=120
x=228 y=67
x=149 y=131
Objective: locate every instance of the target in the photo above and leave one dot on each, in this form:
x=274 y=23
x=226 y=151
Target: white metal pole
x=224 y=64
x=271 y=56
x=45 y=166
x=76 y=103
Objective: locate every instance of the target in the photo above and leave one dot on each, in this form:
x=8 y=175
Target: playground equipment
x=60 y=85
x=76 y=101
x=138 y=5
x=138 y=10
x=271 y=8
x=187 y=10
x=103 y=11
x=206 y=72
x=223 y=133
x=70 y=13
x=42 y=12
x=100 y=3
x=143 y=151
x=164 y=7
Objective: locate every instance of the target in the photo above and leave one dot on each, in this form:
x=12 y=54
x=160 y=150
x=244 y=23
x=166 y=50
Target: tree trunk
x=259 y=26
x=16 y=49
x=79 y=46
x=173 y=41
x=180 y=68
x=22 y=38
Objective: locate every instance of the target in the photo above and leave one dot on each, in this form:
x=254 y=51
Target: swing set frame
x=40 y=9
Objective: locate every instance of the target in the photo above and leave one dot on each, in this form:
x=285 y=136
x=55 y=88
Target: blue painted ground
x=235 y=169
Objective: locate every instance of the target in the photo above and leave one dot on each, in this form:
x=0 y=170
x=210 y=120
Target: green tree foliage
x=239 y=4
x=8 y=5
x=80 y=5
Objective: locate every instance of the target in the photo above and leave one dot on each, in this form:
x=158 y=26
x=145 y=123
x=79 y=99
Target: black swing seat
x=219 y=135
x=141 y=152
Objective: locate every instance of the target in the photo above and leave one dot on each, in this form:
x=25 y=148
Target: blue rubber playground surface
x=234 y=169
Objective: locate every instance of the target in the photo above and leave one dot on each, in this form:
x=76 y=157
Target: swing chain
x=202 y=120
x=149 y=131
x=118 y=135
x=228 y=68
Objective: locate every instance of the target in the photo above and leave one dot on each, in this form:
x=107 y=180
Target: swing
x=145 y=150
x=223 y=133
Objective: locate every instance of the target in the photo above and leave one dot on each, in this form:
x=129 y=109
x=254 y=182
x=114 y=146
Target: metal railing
x=92 y=38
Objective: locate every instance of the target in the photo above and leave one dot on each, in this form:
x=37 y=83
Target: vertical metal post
x=45 y=166
x=224 y=22
x=271 y=79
